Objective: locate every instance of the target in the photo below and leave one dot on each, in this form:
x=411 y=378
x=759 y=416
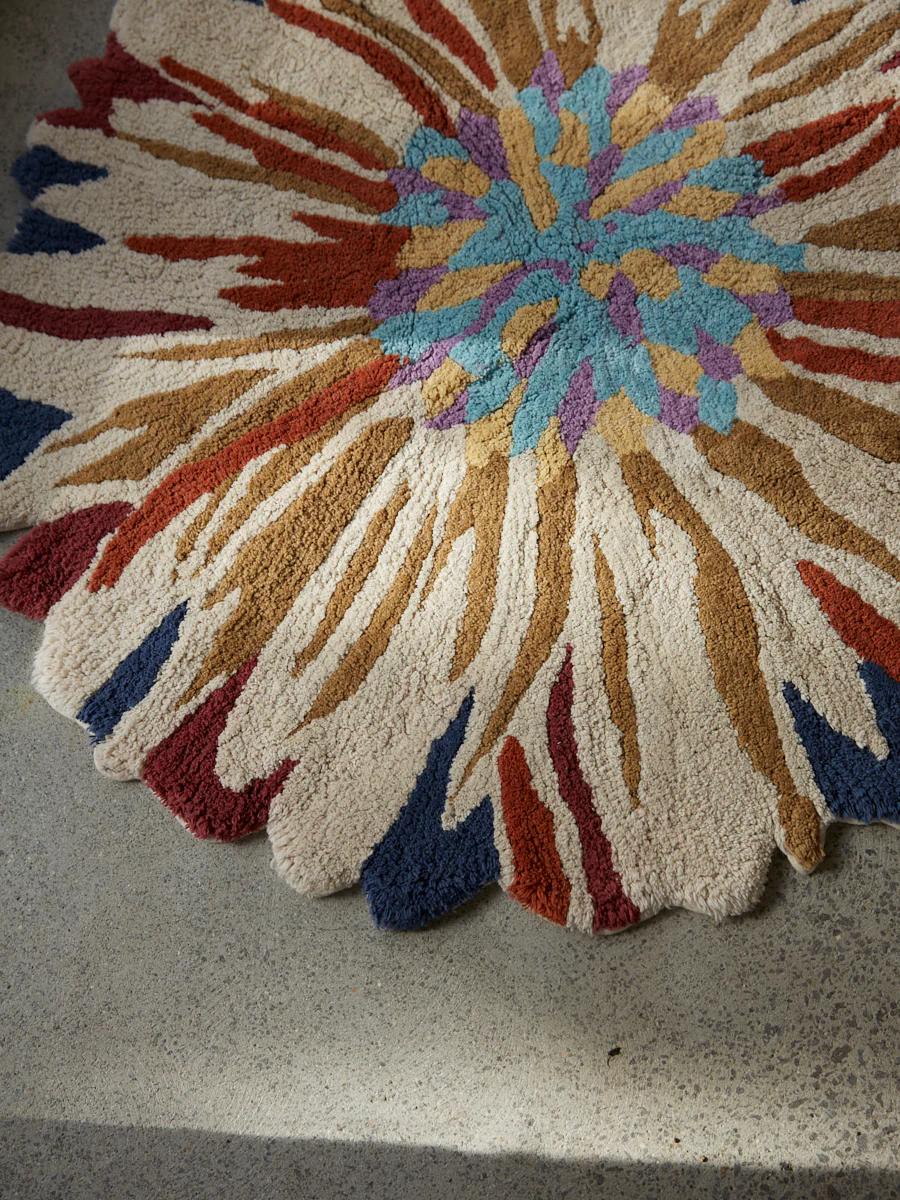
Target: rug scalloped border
x=539 y=829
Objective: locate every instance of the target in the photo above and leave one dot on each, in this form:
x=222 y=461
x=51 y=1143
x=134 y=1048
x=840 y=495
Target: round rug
x=461 y=435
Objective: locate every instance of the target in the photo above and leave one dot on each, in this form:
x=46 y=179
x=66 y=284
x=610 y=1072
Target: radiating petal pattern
x=462 y=437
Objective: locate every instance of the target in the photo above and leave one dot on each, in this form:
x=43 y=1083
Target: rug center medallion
x=588 y=248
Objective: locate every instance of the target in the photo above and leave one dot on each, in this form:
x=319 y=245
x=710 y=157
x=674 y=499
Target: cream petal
x=357 y=765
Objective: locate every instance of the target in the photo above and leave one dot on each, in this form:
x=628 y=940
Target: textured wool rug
x=460 y=435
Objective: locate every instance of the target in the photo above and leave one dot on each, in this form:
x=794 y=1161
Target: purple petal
x=772 y=308
x=481 y=137
x=622 y=307
x=462 y=207
x=549 y=78
x=425 y=366
x=686 y=254
x=602 y=168
x=534 y=351
x=692 y=111
x=395 y=296
x=655 y=197
x=677 y=411
x=578 y=406
x=454 y=415
x=718 y=361
x=753 y=205
x=408 y=181
x=623 y=85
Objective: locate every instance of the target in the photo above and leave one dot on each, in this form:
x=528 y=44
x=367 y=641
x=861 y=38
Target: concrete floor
x=178 y=1023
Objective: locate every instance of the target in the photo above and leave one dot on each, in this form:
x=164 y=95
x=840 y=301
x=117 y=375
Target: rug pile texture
x=461 y=435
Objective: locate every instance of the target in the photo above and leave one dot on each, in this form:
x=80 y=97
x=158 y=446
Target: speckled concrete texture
x=176 y=1023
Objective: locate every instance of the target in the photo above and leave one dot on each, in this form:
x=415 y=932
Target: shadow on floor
x=72 y=1160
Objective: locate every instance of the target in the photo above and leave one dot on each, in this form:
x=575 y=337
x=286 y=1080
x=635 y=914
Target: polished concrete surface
x=176 y=1022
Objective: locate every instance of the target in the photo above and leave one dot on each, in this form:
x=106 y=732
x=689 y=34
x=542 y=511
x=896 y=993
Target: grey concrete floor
x=178 y=1023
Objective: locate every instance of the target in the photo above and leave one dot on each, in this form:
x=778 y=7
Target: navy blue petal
x=420 y=871
x=132 y=679
x=24 y=425
x=857 y=785
x=40 y=168
x=39 y=233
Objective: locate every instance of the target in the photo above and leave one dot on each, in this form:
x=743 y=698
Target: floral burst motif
x=585 y=243
x=462 y=437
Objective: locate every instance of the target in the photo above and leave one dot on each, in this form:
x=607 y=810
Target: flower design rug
x=461 y=437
